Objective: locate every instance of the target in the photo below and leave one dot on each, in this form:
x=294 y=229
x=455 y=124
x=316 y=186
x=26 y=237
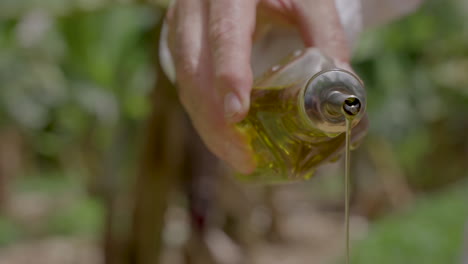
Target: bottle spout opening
x=351 y=106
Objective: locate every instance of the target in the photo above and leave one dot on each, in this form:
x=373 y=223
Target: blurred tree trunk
x=173 y=157
x=160 y=166
x=135 y=217
x=112 y=188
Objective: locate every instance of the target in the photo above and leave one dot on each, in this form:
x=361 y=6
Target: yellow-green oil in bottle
x=285 y=149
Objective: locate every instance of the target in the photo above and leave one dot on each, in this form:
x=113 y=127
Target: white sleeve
x=165 y=57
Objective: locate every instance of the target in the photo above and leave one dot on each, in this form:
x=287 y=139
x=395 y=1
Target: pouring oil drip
x=351 y=108
x=347 y=180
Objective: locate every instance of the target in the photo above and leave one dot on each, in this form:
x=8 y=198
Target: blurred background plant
x=76 y=78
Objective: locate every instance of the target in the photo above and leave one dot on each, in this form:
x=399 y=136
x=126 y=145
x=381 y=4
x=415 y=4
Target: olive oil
x=297 y=117
x=349 y=119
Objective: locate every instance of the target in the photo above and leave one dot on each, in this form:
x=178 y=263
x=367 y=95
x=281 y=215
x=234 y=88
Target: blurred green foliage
x=55 y=183
x=10 y=231
x=71 y=69
x=415 y=70
x=83 y=217
x=430 y=232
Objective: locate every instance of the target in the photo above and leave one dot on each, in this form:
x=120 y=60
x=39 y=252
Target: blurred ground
x=311 y=234
x=57 y=250
x=303 y=242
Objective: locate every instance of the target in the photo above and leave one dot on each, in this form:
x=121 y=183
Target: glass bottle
x=297 y=115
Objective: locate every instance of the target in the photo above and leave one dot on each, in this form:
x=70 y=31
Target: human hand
x=211 y=41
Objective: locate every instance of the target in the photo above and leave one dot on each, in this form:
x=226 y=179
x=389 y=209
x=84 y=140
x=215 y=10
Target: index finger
x=231 y=26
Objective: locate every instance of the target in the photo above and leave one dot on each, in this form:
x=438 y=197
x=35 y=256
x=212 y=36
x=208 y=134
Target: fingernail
x=232 y=105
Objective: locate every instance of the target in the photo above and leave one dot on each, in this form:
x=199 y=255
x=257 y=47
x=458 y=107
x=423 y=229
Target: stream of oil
x=347 y=181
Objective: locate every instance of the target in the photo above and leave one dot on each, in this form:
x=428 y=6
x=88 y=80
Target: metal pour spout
x=352 y=106
x=339 y=103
